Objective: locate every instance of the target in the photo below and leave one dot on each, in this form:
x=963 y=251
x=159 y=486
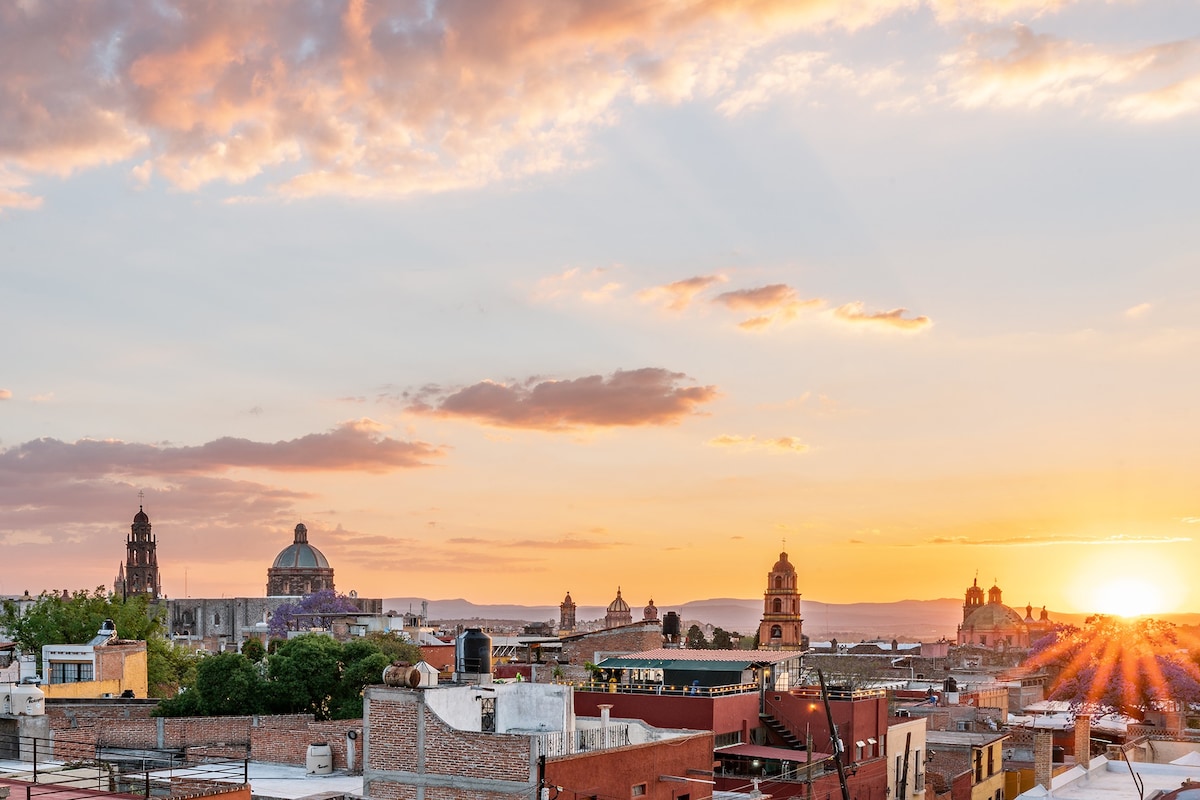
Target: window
x=487 y=714
x=70 y=672
x=983 y=640
x=776 y=632
x=639 y=790
x=778 y=582
x=978 y=766
x=991 y=761
x=777 y=606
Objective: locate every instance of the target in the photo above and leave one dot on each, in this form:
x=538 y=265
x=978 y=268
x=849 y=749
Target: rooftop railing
x=662 y=688
x=81 y=768
x=565 y=743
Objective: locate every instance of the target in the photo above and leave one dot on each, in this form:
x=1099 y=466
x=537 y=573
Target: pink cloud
x=678 y=296
x=354 y=445
x=647 y=396
x=5 y=394
x=855 y=313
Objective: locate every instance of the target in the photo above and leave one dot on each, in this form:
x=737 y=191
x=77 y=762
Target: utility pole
x=838 y=747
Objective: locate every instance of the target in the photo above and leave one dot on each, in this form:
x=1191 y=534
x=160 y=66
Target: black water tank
x=474 y=652
x=671 y=624
x=950 y=685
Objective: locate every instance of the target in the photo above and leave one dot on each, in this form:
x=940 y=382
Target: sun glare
x=1128 y=597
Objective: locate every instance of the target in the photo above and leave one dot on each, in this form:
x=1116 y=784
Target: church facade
x=995 y=626
x=224 y=623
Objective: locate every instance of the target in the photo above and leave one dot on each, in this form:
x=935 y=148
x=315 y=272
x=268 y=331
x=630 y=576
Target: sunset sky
x=507 y=299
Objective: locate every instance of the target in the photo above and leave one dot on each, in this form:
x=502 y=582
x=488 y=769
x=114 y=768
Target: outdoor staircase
x=781 y=732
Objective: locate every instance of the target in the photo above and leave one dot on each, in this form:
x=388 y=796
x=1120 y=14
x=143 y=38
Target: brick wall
x=393 y=745
x=283 y=739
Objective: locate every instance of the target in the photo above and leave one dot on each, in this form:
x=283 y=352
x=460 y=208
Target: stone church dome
x=299 y=569
x=300 y=554
x=783 y=565
x=993 y=615
x=618 y=605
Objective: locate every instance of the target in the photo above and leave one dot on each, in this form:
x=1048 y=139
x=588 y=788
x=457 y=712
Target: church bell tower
x=138 y=574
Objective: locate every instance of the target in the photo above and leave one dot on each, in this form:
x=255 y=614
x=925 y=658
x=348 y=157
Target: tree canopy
x=74 y=619
x=1113 y=664
x=311 y=673
x=695 y=639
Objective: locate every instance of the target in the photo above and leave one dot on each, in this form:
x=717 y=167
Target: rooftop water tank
x=28 y=700
x=473 y=652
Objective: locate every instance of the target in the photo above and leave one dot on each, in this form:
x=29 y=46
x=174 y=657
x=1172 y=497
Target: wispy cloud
x=356 y=445
x=1018 y=67
x=856 y=314
x=647 y=396
x=1140 y=310
x=779 y=444
x=5 y=394
x=1047 y=541
x=389 y=99
x=564 y=543
x=597 y=285
x=773 y=304
x=679 y=295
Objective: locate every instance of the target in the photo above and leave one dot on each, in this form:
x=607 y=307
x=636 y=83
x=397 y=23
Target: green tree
x=305 y=673
x=395 y=646
x=362 y=665
x=75 y=618
x=169 y=667
x=695 y=639
x=724 y=640
x=227 y=684
x=253 y=650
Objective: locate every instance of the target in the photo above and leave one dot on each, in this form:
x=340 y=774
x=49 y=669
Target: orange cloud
x=855 y=313
x=678 y=296
x=647 y=396
x=785 y=444
x=1017 y=67
x=1044 y=541
x=5 y=394
x=780 y=300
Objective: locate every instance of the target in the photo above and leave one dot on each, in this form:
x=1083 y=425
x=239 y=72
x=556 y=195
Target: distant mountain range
x=912 y=620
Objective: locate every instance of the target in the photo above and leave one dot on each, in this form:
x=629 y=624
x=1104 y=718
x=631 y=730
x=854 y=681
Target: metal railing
x=662 y=689
x=565 y=743
x=66 y=767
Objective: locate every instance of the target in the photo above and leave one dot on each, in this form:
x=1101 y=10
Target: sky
x=504 y=300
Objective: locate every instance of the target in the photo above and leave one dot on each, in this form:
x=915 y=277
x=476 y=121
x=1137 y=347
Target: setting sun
x=1129 y=597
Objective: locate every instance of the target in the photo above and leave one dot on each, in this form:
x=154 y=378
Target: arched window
x=778 y=581
x=776 y=632
x=216 y=619
x=777 y=605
